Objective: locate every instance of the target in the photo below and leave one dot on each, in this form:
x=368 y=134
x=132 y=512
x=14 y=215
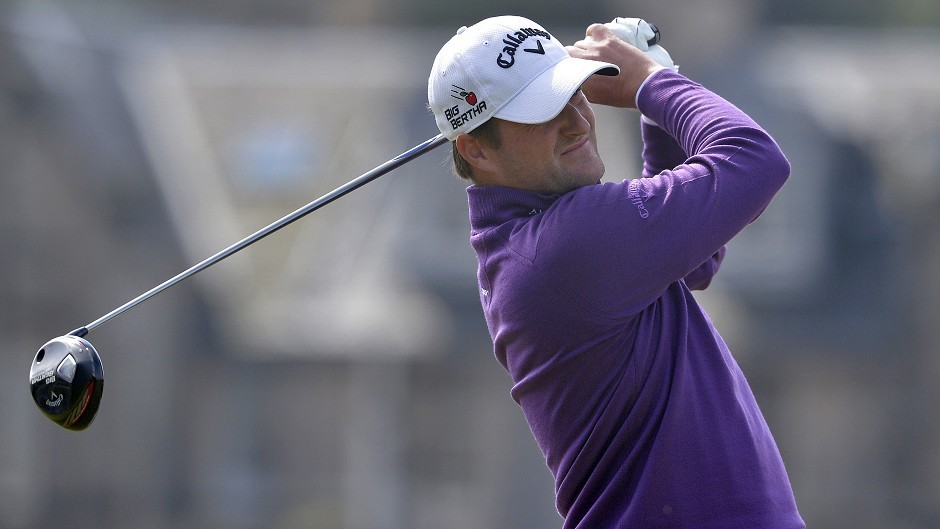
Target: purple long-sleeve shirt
x=642 y=414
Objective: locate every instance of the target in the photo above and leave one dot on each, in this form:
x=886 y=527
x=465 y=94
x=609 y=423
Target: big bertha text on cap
x=458 y=120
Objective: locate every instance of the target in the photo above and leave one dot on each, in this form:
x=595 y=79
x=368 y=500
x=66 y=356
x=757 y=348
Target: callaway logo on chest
x=514 y=40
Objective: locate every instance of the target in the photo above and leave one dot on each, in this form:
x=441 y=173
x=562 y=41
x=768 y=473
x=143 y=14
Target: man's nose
x=576 y=121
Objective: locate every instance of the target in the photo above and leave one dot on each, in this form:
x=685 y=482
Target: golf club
x=66 y=378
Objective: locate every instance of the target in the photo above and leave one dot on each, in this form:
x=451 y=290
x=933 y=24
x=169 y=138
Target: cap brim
x=546 y=96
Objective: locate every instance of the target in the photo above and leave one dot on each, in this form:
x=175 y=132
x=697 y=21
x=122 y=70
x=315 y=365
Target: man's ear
x=476 y=153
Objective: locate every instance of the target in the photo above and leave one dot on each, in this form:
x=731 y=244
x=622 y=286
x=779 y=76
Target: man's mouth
x=577 y=145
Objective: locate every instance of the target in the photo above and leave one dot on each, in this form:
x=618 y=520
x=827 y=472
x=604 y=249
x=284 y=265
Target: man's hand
x=601 y=44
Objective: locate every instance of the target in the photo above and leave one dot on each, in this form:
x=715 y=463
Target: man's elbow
x=778 y=167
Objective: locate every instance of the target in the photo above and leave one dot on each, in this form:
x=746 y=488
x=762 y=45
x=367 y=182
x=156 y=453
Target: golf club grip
x=348 y=187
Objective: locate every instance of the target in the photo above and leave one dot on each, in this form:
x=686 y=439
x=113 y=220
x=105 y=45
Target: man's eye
x=577 y=95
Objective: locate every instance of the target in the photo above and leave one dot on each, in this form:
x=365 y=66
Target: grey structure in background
x=370 y=398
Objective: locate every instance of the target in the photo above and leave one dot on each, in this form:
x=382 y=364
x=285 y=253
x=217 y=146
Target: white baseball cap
x=507 y=67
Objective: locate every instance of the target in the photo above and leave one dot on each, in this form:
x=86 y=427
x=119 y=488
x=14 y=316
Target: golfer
x=643 y=416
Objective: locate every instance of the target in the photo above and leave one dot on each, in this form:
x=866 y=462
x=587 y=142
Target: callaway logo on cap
x=507 y=67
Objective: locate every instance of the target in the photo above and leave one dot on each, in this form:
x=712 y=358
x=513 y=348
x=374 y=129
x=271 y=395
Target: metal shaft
x=340 y=191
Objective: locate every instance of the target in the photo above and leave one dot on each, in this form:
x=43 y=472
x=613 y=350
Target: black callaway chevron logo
x=514 y=41
x=539 y=49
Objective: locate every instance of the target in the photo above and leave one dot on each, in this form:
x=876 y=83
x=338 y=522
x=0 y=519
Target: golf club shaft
x=344 y=189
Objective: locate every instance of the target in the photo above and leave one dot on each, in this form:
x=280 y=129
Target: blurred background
x=338 y=374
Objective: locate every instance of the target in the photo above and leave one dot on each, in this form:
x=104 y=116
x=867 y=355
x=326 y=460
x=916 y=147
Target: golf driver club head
x=66 y=380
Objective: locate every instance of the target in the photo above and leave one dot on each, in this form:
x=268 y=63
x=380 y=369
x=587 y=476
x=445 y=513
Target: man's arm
x=660 y=150
x=629 y=241
x=701 y=277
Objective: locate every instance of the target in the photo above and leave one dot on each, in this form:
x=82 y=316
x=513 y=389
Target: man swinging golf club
x=642 y=414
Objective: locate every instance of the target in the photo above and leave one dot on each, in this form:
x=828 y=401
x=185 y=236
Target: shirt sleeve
x=701 y=277
x=660 y=150
x=616 y=247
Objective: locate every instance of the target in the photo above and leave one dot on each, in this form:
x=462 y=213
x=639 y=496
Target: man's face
x=552 y=157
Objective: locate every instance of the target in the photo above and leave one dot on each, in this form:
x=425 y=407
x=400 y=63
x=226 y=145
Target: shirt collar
x=491 y=206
